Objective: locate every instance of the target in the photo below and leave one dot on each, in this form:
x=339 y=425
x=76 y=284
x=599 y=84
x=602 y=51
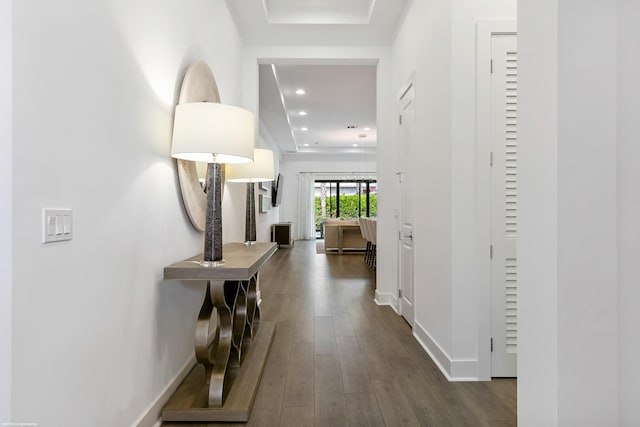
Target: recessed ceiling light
x=304 y=129
x=355 y=145
x=300 y=92
x=367 y=128
x=302 y=113
x=305 y=145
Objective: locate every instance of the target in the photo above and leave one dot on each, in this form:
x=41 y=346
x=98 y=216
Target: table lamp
x=213 y=133
x=261 y=170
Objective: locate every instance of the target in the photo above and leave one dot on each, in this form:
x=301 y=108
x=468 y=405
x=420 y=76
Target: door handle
x=409 y=236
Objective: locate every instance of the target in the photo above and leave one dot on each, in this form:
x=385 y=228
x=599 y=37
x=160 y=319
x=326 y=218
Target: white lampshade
x=213 y=133
x=260 y=170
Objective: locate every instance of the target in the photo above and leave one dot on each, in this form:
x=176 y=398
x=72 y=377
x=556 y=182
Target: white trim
x=464 y=370
x=154 y=411
x=409 y=84
x=387 y=299
x=454 y=370
x=298 y=59
x=151 y=417
x=484 y=30
x=437 y=354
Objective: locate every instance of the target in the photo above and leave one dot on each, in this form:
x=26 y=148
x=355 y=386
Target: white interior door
x=407 y=210
x=504 y=206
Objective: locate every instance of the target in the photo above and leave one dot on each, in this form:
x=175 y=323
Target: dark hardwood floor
x=338 y=359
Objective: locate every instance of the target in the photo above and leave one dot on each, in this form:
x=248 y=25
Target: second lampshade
x=261 y=170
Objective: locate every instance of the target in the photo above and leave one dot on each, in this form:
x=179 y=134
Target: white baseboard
x=453 y=369
x=151 y=417
x=464 y=370
x=386 y=299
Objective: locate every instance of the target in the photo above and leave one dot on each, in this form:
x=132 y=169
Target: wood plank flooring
x=338 y=359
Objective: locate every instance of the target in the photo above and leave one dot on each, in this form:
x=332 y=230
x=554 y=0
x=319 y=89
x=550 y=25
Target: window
x=344 y=199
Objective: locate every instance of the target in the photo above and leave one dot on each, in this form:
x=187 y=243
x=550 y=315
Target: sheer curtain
x=306 y=229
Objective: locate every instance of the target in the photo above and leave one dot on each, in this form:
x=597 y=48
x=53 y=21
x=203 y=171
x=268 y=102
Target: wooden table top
x=242 y=262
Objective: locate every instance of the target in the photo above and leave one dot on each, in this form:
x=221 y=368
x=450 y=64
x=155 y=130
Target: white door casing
x=504 y=205
x=407 y=204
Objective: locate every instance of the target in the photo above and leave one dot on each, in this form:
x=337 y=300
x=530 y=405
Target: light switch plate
x=57 y=225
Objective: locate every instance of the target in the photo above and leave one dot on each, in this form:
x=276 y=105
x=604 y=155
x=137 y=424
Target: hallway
x=338 y=359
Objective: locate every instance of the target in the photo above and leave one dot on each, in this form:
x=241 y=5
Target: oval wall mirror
x=198 y=85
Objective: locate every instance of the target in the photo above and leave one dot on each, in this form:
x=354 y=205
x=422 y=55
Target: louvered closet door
x=504 y=205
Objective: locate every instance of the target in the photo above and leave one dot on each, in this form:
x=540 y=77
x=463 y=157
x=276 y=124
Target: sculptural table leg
x=233 y=359
x=203 y=355
x=237 y=314
x=222 y=351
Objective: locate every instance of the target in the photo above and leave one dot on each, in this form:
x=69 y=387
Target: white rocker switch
x=57 y=225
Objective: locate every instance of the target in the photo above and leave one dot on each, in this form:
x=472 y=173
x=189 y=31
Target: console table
x=222 y=387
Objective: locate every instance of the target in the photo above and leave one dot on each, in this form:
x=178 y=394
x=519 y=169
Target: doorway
x=320 y=115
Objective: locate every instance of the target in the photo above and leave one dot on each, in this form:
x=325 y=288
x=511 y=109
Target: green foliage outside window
x=348 y=207
x=373 y=205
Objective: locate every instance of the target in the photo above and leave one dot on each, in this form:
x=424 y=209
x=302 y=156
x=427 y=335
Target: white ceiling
x=318 y=12
x=317 y=22
x=340 y=102
x=338 y=95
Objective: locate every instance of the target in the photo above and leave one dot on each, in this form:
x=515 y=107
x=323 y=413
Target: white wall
x=388 y=197
x=98 y=334
x=437 y=45
x=6 y=176
x=538 y=202
x=423 y=48
x=628 y=210
x=569 y=352
x=587 y=213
